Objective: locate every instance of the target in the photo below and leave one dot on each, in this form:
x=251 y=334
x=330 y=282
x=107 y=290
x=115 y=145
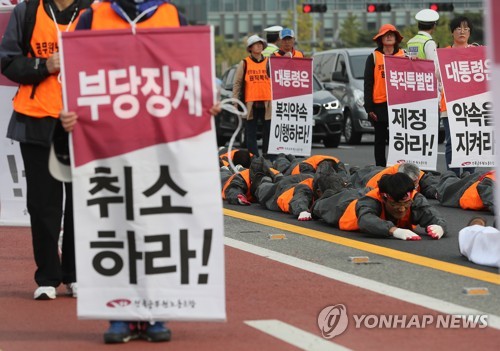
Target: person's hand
x=373 y=116
x=242 y=200
x=435 y=231
x=305 y=216
x=68 y=120
x=405 y=234
x=53 y=63
x=215 y=109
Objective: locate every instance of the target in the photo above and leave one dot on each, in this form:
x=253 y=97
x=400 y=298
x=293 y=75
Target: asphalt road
x=429 y=267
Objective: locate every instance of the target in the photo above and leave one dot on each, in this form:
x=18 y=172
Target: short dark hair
x=426 y=25
x=396 y=185
x=457 y=23
x=272 y=37
x=242 y=157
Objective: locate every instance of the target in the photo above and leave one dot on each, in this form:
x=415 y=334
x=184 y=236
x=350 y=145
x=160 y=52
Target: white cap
x=59 y=170
x=427 y=16
x=255 y=39
x=273 y=29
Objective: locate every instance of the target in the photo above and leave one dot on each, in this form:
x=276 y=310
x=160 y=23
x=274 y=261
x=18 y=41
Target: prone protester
x=470 y=192
x=425 y=182
x=296 y=193
x=392 y=210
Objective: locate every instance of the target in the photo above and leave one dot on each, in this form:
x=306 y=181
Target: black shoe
x=156 y=332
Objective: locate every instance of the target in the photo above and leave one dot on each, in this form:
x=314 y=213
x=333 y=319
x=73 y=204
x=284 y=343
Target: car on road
x=327 y=114
x=342 y=72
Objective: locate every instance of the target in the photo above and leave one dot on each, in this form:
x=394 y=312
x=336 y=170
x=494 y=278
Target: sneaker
x=156 y=332
x=45 y=293
x=239 y=168
x=71 y=289
x=121 y=332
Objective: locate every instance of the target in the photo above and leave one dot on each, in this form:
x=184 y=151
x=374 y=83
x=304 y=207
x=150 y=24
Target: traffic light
x=379 y=7
x=441 y=6
x=308 y=8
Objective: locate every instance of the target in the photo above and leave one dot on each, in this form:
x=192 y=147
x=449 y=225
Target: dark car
x=327 y=114
x=341 y=71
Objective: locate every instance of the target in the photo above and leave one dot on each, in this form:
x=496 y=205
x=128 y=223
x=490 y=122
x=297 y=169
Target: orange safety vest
x=379 y=91
x=373 y=182
x=104 y=17
x=295 y=53
x=45 y=99
x=245 y=174
x=470 y=199
x=349 y=219
x=314 y=161
x=284 y=199
x=257 y=82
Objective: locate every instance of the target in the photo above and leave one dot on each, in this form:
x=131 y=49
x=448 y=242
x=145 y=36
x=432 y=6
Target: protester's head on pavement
x=242 y=157
x=412 y=170
x=426 y=19
x=395 y=191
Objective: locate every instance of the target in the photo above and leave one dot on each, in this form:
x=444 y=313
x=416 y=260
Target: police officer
x=422 y=45
x=273 y=38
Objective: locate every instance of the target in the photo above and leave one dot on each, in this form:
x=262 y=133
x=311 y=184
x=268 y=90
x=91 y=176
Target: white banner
x=292 y=105
x=146 y=186
x=465 y=73
x=413 y=111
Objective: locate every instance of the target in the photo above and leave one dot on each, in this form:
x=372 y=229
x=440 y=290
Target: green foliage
x=350 y=33
x=227 y=54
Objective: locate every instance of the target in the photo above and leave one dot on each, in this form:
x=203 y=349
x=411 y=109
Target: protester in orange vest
x=388 y=39
x=30 y=57
x=368 y=176
x=119 y=14
x=252 y=85
x=471 y=192
x=461 y=28
x=393 y=209
x=287 y=44
x=296 y=193
x=241 y=157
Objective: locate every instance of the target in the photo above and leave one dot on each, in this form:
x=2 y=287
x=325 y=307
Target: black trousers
x=381 y=134
x=45 y=206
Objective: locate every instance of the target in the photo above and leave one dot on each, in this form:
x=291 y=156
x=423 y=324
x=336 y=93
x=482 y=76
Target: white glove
x=305 y=216
x=405 y=234
x=435 y=231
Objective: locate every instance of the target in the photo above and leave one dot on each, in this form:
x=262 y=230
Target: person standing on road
x=388 y=39
x=460 y=28
x=422 y=45
x=273 y=40
x=30 y=57
x=120 y=14
x=252 y=81
x=287 y=44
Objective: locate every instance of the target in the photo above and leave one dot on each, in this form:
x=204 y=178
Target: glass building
x=235 y=19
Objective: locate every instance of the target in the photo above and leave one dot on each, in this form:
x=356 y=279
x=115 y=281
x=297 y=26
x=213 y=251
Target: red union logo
x=118 y=303
x=401 y=161
x=466 y=163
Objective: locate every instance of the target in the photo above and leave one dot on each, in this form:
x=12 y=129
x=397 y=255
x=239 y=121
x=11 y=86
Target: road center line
x=378 y=250
x=380 y=288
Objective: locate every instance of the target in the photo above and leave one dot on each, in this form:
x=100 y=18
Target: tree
x=350 y=32
x=227 y=54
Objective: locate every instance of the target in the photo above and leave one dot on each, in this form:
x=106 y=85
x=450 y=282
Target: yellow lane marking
x=379 y=250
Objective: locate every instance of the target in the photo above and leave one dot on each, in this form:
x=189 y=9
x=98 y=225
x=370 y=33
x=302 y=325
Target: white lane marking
x=380 y=288
x=295 y=336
